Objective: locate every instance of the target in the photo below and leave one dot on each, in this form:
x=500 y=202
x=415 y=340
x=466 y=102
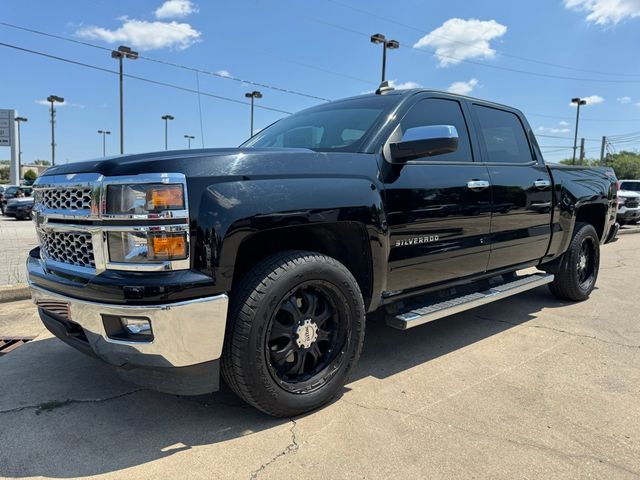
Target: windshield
x=633 y=186
x=338 y=126
x=11 y=190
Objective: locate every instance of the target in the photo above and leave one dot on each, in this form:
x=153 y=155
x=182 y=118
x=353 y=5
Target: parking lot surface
x=530 y=387
x=16 y=239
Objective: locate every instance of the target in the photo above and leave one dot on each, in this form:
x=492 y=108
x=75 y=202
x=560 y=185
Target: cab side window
x=503 y=135
x=440 y=111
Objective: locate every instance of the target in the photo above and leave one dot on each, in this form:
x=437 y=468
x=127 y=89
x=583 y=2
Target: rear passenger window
x=440 y=111
x=503 y=136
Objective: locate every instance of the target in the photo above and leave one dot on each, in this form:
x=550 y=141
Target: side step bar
x=429 y=312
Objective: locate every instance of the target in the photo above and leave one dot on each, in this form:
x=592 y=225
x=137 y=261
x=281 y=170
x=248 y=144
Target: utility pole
x=18 y=121
x=166 y=119
x=189 y=138
x=104 y=134
x=391 y=44
x=120 y=54
x=578 y=102
x=53 y=99
x=252 y=95
x=602 y=147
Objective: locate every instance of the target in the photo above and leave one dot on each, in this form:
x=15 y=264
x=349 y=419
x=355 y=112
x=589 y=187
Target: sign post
x=8 y=138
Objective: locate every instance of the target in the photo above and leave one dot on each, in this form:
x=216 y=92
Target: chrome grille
x=73 y=248
x=632 y=203
x=64 y=198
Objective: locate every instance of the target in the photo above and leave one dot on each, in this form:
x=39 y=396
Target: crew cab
x=262 y=262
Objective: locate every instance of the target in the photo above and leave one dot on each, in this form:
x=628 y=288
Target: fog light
x=136 y=326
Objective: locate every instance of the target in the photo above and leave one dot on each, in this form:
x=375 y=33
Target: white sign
x=5 y=128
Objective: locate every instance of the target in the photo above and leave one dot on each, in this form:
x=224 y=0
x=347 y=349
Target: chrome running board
x=433 y=311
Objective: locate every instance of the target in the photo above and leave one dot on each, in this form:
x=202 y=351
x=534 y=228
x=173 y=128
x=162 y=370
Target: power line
x=171 y=64
x=473 y=62
x=136 y=77
x=460 y=42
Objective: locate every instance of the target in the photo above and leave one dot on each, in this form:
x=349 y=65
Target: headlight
x=144 y=199
x=621 y=200
x=147 y=247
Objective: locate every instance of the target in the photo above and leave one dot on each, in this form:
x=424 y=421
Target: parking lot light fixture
x=189 y=138
x=120 y=54
x=578 y=101
x=104 y=133
x=53 y=99
x=252 y=95
x=379 y=38
x=166 y=119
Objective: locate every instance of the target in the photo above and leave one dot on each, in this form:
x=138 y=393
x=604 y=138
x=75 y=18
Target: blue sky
x=319 y=48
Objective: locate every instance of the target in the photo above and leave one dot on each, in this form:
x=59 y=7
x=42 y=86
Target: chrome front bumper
x=184 y=334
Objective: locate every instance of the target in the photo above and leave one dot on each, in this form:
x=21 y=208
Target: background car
x=11 y=192
x=628 y=202
x=19 y=208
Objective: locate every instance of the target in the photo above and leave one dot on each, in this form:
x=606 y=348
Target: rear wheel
x=576 y=275
x=295 y=333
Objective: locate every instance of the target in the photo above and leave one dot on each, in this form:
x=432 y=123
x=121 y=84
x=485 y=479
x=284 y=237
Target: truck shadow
x=60 y=429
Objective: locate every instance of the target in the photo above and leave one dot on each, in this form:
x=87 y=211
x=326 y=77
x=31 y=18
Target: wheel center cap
x=582 y=263
x=307 y=333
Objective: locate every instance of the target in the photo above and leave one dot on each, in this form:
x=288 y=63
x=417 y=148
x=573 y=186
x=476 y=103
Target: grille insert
x=64 y=198
x=73 y=248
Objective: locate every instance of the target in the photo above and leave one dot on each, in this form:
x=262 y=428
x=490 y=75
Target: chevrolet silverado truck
x=260 y=263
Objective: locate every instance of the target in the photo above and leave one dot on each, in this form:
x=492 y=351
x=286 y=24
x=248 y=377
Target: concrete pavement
x=16 y=239
x=527 y=388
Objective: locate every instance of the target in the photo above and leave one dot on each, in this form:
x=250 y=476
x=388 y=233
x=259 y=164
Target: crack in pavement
x=519 y=443
x=51 y=405
x=292 y=447
x=559 y=330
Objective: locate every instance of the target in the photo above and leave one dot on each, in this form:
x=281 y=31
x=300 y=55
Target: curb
x=12 y=293
x=628 y=231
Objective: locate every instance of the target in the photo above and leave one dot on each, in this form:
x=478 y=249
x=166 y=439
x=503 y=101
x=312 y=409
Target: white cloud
x=457 y=39
x=61 y=104
x=145 y=35
x=176 y=9
x=624 y=99
x=224 y=73
x=605 y=12
x=403 y=85
x=542 y=129
x=463 y=88
x=563 y=123
x=591 y=100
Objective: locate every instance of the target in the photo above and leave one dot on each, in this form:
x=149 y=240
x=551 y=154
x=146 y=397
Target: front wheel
x=295 y=333
x=576 y=276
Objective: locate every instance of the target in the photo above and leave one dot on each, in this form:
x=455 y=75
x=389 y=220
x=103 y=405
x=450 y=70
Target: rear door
x=438 y=225
x=521 y=188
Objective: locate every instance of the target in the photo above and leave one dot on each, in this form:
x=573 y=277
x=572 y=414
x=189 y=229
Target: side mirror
x=426 y=141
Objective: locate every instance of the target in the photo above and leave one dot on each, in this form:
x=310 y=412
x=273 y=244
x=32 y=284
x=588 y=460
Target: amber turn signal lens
x=165 y=197
x=168 y=246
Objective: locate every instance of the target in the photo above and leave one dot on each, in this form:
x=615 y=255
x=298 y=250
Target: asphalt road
x=530 y=387
x=16 y=239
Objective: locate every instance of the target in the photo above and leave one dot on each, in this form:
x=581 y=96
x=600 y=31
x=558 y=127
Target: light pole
x=166 y=119
x=53 y=99
x=120 y=54
x=19 y=120
x=104 y=134
x=252 y=95
x=578 y=102
x=189 y=138
x=392 y=44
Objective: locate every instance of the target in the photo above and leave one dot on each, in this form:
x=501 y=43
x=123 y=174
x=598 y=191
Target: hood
x=200 y=163
x=628 y=194
x=20 y=200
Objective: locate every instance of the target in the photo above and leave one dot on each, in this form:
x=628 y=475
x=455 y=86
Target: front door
x=521 y=189
x=438 y=208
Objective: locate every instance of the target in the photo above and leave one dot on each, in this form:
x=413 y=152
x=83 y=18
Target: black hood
x=200 y=162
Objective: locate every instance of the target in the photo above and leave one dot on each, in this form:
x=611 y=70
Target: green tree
x=4 y=173
x=30 y=176
x=44 y=163
x=625 y=164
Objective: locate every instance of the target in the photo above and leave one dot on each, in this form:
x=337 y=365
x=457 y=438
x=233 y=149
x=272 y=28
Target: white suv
x=628 y=202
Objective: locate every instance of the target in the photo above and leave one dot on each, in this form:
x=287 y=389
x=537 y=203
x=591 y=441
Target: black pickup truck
x=261 y=262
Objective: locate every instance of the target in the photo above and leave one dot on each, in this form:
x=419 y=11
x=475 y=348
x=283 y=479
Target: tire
x=295 y=332
x=577 y=273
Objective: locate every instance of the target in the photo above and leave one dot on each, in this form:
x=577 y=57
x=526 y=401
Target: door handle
x=477 y=185
x=542 y=184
